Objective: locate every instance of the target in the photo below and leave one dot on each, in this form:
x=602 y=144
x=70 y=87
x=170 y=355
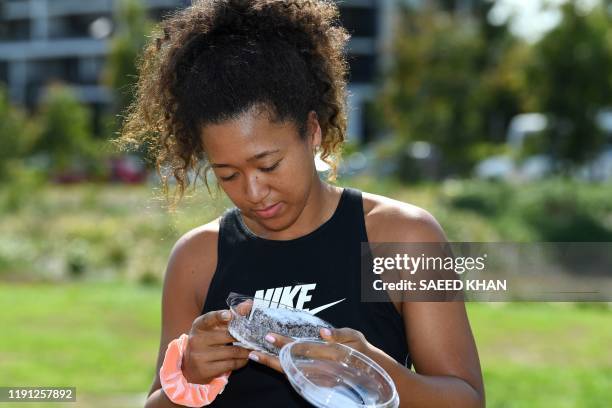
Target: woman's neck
x=320 y=206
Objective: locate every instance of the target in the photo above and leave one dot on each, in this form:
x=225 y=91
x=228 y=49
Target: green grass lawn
x=103 y=339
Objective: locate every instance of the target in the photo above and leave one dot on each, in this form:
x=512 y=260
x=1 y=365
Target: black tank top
x=319 y=271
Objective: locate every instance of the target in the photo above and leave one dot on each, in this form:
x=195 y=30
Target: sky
x=532 y=18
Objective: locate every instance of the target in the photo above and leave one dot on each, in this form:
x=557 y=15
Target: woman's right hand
x=208 y=354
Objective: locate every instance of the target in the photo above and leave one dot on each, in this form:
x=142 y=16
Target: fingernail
x=270 y=338
x=326 y=332
x=253 y=356
x=225 y=315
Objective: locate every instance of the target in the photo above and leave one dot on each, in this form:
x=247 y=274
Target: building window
x=72 y=26
x=15 y=30
x=362 y=68
x=4 y=72
x=90 y=69
x=60 y=69
x=359 y=21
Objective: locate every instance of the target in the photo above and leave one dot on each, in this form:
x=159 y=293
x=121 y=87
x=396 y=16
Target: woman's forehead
x=247 y=136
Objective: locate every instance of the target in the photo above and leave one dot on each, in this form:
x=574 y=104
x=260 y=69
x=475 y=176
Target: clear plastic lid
x=333 y=375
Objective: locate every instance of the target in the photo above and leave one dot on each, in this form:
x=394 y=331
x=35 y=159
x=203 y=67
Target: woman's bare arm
x=444 y=355
x=189 y=272
x=439 y=336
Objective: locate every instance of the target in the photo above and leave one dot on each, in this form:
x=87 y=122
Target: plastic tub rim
x=284 y=359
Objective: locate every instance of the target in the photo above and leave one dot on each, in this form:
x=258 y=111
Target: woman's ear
x=314 y=130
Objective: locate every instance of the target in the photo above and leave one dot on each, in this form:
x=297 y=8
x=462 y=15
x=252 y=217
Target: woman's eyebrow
x=250 y=159
x=262 y=155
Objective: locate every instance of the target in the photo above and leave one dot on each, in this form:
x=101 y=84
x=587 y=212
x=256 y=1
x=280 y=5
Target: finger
x=316 y=350
x=343 y=335
x=267 y=360
x=215 y=337
x=277 y=339
x=244 y=308
x=216 y=368
x=212 y=319
x=221 y=353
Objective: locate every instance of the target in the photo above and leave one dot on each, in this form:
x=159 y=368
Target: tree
x=65 y=134
x=445 y=86
x=17 y=134
x=132 y=28
x=570 y=79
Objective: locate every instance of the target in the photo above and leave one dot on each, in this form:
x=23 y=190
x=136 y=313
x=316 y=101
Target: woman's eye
x=264 y=169
x=268 y=169
x=229 y=177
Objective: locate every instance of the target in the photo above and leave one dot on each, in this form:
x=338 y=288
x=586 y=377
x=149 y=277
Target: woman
x=254 y=89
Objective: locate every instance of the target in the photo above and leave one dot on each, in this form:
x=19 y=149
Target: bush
x=550 y=211
x=487 y=198
x=22 y=186
x=564 y=212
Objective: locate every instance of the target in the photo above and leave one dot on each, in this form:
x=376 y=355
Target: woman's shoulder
x=193 y=258
x=199 y=241
x=391 y=220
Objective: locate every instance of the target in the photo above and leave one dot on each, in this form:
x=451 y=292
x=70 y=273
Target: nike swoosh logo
x=318 y=309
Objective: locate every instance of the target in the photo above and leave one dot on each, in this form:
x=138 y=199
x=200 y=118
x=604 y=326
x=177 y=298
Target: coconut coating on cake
x=292 y=323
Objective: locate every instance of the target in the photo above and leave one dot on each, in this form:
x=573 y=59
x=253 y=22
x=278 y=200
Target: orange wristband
x=175 y=385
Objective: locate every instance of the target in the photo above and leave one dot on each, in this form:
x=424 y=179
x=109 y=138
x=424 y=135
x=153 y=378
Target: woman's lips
x=269 y=212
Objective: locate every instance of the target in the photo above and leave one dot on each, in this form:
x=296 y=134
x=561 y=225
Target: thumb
x=212 y=319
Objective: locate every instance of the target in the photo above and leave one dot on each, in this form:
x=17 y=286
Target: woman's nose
x=256 y=189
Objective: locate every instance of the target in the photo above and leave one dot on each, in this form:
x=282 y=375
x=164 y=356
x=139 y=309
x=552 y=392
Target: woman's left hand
x=347 y=336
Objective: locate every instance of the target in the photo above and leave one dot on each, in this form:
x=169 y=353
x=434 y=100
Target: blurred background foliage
x=453 y=87
x=74 y=246
x=456 y=83
x=92 y=232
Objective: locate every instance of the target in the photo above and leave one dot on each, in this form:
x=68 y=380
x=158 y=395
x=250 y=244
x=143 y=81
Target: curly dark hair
x=217 y=59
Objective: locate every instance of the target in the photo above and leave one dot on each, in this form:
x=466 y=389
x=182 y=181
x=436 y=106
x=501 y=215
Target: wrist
x=379 y=356
x=176 y=386
x=186 y=370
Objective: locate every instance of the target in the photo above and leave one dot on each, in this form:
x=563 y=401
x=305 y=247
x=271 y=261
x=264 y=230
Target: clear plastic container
x=327 y=375
x=333 y=375
x=254 y=318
